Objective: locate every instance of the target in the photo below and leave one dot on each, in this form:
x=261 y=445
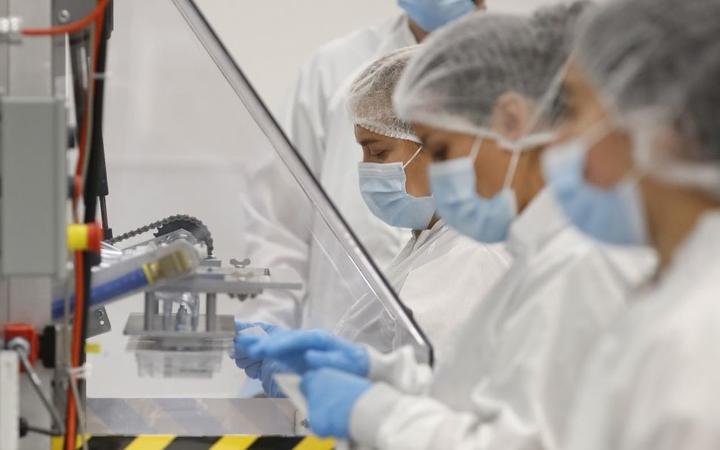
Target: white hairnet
x=370 y=99
x=652 y=63
x=454 y=81
x=698 y=109
x=636 y=53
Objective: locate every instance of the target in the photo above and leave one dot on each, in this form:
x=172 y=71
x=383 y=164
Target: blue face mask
x=462 y=208
x=614 y=216
x=383 y=189
x=432 y=14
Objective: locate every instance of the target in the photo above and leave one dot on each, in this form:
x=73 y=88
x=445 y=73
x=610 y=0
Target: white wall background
x=177 y=140
x=271 y=39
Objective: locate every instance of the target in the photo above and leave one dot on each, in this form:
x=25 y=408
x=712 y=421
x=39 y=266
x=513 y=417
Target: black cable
x=44 y=431
x=96 y=178
x=25 y=427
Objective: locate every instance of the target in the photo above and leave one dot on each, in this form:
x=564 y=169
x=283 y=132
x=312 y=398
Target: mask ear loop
x=412 y=158
x=539 y=139
x=512 y=168
x=475 y=149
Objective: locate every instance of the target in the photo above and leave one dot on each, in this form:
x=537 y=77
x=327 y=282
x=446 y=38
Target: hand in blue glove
x=246 y=344
x=257 y=368
x=267 y=371
x=331 y=396
x=242 y=359
x=303 y=350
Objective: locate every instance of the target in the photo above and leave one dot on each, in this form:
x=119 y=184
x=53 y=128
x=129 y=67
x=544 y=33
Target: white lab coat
x=282 y=232
x=509 y=384
x=440 y=276
x=653 y=382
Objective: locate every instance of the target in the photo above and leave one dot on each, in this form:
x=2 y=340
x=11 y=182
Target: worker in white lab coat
x=394 y=184
x=640 y=164
x=438 y=266
x=281 y=232
x=472 y=93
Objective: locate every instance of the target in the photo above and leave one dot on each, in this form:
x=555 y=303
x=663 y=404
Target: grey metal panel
x=4 y=301
x=30 y=69
x=29 y=299
x=4 y=52
x=33 y=187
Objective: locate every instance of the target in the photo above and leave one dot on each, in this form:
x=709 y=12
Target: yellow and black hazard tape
x=227 y=442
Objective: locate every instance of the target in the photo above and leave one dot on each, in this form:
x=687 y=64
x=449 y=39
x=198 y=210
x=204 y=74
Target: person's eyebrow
x=368 y=141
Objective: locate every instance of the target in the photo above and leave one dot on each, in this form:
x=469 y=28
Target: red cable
x=78 y=25
x=80 y=294
x=71 y=419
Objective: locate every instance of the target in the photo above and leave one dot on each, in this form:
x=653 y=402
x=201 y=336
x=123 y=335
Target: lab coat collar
x=426 y=235
x=540 y=222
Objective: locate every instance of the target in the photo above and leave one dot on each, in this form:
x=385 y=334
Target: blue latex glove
x=432 y=14
x=331 y=396
x=258 y=368
x=267 y=370
x=304 y=350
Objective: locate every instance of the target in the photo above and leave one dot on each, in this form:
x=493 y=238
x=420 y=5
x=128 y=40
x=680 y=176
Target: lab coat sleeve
x=384 y=418
x=522 y=401
x=400 y=370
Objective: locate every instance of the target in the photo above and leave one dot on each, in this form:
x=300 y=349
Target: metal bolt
x=64 y=16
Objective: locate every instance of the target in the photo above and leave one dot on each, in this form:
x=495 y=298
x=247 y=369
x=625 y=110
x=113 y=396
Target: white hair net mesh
x=454 y=81
x=637 y=53
x=370 y=98
x=698 y=108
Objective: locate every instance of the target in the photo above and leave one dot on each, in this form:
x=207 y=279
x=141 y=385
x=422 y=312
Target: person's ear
x=510 y=116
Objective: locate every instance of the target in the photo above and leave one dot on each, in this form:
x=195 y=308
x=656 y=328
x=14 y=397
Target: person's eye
x=380 y=155
x=440 y=154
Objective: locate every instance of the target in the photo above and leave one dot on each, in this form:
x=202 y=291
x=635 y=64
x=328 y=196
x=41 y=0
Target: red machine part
x=27 y=332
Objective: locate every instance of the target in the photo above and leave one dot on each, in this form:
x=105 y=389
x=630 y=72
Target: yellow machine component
x=93 y=348
x=174 y=264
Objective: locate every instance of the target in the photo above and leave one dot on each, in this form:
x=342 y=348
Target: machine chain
x=169 y=224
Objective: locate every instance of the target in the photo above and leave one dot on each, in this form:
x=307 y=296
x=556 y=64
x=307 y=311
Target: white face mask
x=383 y=189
